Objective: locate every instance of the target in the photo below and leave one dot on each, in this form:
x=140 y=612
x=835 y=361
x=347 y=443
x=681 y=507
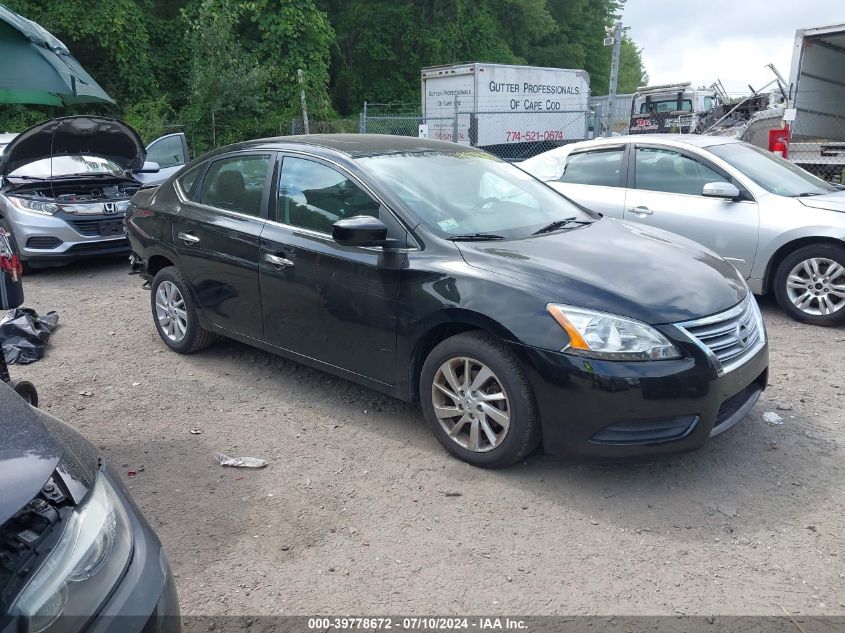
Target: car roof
x=695 y=140
x=354 y=145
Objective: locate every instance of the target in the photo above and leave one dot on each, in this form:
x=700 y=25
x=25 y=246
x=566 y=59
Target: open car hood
x=75 y=136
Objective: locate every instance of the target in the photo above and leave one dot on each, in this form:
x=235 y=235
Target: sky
x=731 y=40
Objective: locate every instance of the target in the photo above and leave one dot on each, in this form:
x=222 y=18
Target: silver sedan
x=781 y=227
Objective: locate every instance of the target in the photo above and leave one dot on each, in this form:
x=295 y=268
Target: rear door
x=216 y=235
x=595 y=178
x=323 y=301
x=665 y=191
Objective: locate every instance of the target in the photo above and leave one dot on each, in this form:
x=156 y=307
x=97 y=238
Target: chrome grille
x=731 y=336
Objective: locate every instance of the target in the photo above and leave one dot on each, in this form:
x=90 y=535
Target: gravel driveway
x=361 y=511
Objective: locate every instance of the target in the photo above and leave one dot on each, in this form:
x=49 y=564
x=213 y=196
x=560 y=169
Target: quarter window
x=672 y=172
x=594 y=168
x=236 y=183
x=186 y=181
x=314 y=196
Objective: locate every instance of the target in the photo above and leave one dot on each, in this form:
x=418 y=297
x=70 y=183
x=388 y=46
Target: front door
x=323 y=301
x=666 y=192
x=216 y=235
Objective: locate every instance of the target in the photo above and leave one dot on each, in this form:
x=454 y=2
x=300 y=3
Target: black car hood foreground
x=75 y=136
x=646 y=274
x=32 y=446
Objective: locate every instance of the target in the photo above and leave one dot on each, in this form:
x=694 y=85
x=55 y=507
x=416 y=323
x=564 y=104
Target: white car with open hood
x=65 y=185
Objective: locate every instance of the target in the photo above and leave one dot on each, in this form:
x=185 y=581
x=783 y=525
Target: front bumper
x=617 y=409
x=61 y=238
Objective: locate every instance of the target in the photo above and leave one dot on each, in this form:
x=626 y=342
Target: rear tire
x=175 y=314
x=495 y=422
x=810 y=284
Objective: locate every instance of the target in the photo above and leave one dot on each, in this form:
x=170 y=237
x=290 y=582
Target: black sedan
x=436 y=272
x=75 y=552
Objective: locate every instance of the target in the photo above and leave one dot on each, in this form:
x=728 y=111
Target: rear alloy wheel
x=478 y=402
x=810 y=284
x=174 y=313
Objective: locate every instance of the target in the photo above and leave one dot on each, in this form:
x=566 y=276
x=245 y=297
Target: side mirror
x=148 y=168
x=361 y=230
x=720 y=190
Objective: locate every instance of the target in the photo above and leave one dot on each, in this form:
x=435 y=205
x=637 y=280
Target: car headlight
x=35 y=206
x=601 y=335
x=83 y=567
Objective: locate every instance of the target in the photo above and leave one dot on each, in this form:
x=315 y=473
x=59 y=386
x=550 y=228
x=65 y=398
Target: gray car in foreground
x=75 y=552
x=781 y=227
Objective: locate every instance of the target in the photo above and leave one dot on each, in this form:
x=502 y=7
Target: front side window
x=463 y=193
x=236 y=184
x=671 y=172
x=167 y=152
x=601 y=168
x=314 y=196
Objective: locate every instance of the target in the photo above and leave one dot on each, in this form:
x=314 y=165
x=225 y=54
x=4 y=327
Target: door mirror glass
x=720 y=190
x=361 y=230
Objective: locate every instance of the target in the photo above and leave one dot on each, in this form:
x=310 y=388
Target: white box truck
x=483 y=105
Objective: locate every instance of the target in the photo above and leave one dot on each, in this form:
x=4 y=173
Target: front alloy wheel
x=470 y=404
x=810 y=284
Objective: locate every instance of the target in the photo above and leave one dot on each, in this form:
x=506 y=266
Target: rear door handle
x=188 y=238
x=277 y=260
x=641 y=211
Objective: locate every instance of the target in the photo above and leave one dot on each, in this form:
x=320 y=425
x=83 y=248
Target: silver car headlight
x=34 y=206
x=83 y=567
x=611 y=337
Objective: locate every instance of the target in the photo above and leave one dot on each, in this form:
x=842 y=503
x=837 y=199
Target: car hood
x=75 y=136
x=831 y=201
x=617 y=267
x=34 y=446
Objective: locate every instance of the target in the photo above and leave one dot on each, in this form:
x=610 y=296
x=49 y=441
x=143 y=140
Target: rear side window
x=314 y=196
x=672 y=172
x=236 y=183
x=189 y=178
x=601 y=168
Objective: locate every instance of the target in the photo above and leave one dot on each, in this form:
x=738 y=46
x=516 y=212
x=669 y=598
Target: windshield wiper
x=807 y=194
x=559 y=224
x=475 y=237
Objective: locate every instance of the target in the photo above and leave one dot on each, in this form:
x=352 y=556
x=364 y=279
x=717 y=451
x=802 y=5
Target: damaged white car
x=66 y=184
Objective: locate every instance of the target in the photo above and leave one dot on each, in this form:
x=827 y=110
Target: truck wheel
x=25 y=390
x=175 y=315
x=477 y=401
x=810 y=284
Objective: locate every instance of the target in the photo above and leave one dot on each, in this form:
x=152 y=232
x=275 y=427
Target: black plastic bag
x=24 y=334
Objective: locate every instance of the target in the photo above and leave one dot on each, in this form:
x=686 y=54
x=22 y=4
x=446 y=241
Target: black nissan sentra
x=436 y=272
x=75 y=552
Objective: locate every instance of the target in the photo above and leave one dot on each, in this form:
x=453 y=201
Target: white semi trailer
x=484 y=105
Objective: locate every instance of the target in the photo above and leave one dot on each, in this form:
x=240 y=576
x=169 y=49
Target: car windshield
x=771 y=172
x=68 y=166
x=470 y=192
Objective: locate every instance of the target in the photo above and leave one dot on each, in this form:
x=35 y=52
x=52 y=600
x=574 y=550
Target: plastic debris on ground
x=772 y=418
x=240 y=462
x=24 y=334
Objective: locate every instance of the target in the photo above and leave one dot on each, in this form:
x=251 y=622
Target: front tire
x=810 y=284
x=175 y=315
x=477 y=401
x=25 y=390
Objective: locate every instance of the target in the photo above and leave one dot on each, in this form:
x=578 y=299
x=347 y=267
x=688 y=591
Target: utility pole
x=615 y=39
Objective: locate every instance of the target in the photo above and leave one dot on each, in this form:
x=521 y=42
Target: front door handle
x=188 y=238
x=641 y=211
x=276 y=260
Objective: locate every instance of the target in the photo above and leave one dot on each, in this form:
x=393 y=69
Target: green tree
x=632 y=73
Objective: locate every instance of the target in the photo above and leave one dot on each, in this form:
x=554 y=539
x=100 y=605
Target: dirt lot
x=352 y=514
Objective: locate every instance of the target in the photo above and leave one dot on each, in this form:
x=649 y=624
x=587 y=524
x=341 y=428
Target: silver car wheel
x=170 y=311
x=817 y=286
x=471 y=404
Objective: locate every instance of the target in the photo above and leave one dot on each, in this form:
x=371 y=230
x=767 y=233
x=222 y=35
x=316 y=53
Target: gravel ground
x=358 y=511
